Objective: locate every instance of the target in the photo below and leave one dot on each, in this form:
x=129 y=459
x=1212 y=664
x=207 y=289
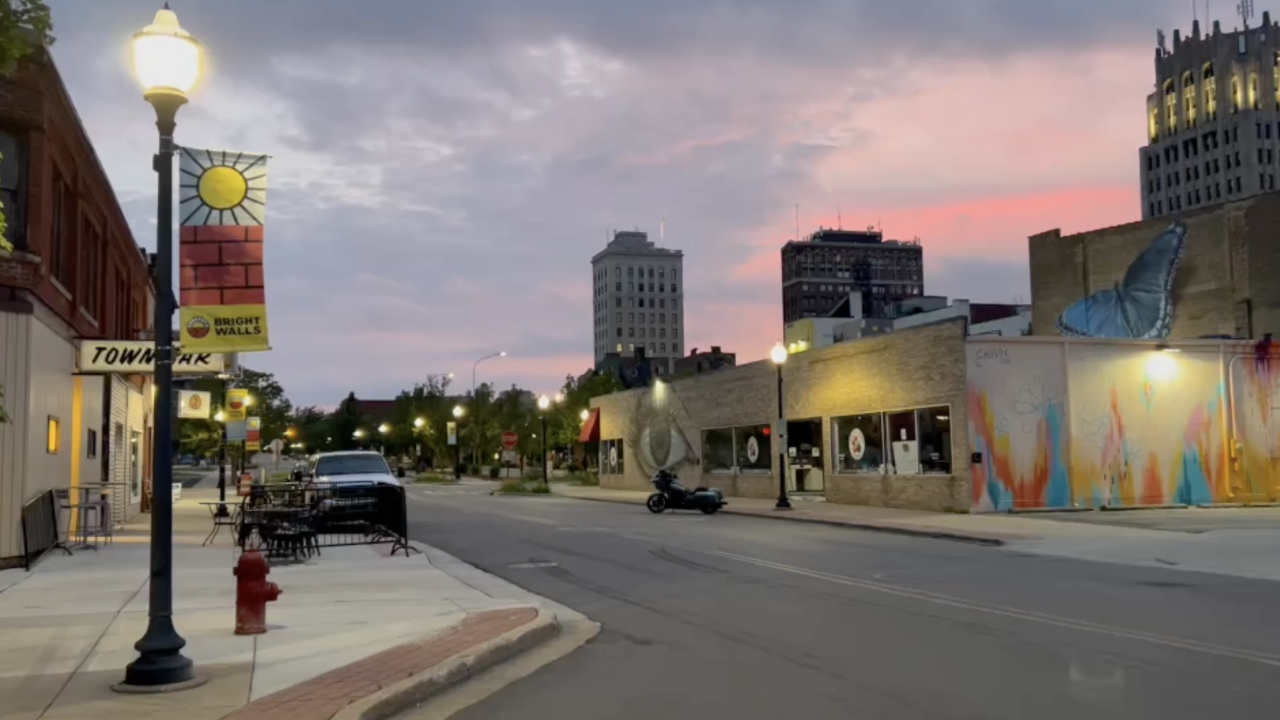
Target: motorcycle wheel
x=656 y=503
x=710 y=510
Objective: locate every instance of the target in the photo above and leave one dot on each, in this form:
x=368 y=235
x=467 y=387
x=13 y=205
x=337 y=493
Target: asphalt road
x=740 y=617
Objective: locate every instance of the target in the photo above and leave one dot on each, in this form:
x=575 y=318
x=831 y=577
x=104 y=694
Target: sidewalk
x=1226 y=550
x=352 y=628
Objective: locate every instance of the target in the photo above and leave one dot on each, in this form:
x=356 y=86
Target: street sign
x=509 y=457
x=509 y=440
x=138 y=357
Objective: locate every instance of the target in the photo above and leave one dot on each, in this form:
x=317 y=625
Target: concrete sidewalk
x=1246 y=552
x=352 y=628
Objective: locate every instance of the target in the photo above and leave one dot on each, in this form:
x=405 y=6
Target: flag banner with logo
x=194 y=404
x=222 y=205
x=253 y=439
x=237 y=405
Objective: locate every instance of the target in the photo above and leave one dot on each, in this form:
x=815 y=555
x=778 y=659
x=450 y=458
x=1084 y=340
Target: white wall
x=51 y=390
x=14 y=333
x=1015 y=326
x=91 y=419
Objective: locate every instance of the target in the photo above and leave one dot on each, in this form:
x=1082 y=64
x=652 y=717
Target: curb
x=984 y=540
x=401 y=696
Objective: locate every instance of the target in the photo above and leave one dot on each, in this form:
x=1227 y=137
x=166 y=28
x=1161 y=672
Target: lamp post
x=166 y=60
x=457 y=445
x=544 y=402
x=501 y=353
x=779 y=357
x=221 y=418
x=418 y=424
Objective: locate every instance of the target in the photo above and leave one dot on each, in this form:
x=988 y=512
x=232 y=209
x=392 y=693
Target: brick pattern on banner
x=221 y=265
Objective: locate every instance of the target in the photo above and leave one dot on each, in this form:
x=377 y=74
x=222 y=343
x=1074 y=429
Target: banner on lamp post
x=237 y=405
x=253 y=435
x=223 y=209
x=452 y=428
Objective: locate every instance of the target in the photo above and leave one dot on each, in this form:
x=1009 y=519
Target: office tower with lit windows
x=638 y=300
x=1213 y=119
x=819 y=272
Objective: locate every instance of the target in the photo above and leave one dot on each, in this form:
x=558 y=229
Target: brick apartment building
x=75 y=273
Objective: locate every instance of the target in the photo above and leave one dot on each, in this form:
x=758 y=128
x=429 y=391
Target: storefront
x=868 y=422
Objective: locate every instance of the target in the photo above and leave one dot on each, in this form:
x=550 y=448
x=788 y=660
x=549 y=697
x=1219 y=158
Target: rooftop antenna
x=1160 y=42
x=1194 y=16
x=1245 y=9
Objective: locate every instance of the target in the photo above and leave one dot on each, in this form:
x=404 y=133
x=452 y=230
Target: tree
x=313 y=428
x=346 y=420
x=269 y=403
x=201 y=438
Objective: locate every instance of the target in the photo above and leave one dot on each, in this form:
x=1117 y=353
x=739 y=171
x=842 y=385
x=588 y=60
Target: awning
x=591 y=428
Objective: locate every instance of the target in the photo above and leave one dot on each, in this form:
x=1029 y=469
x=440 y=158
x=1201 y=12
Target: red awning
x=591 y=428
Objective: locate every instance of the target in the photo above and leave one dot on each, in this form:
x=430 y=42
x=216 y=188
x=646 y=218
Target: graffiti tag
x=988 y=356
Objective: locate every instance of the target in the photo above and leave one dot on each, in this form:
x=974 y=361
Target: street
x=752 y=618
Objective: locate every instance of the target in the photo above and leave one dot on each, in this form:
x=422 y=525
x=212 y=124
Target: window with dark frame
x=12 y=182
x=62 y=238
x=859 y=443
x=934 y=439
x=91 y=271
x=91 y=444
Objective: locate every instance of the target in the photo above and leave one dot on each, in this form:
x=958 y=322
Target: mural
x=1070 y=425
x=654 y=436
x=1140 y=305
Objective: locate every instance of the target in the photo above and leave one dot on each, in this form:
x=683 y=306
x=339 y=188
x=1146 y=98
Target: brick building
x=718 y=429
x=820 y=271
x=75 y=273
x=1224 y=285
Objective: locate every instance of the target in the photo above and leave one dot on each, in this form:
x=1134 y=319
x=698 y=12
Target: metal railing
x=40 y=528
x=293 y=521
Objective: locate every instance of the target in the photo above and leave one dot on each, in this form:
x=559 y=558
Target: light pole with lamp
x=383 y=429
x=166 y=60
x=501 y=353
x=779 y=357
x=418 y=424
x=221 y=418
x=544 y=402
x=457 y=445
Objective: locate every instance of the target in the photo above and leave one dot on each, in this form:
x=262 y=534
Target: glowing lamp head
x=419 y=422
x=778 y=354
x=584 y=415
x=544 y=402
x=358 y=434
x=166 y=58
x=219 y=416
x=384 y=428
x=457 y=411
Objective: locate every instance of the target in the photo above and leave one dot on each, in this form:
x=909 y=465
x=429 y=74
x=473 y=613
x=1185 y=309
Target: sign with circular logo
x=613 y=456
x=509 y=439
x=198 y=328
x=857 y=444
x=753 y=450
x=195 y=401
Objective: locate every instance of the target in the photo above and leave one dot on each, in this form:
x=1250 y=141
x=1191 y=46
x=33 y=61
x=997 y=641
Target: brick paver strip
x=320 y=698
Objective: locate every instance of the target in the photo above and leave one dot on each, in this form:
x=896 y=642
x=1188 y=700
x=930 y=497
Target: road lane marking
x=1011 y=612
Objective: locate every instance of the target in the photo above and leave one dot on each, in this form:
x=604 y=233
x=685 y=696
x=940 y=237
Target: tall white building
x=639 y=300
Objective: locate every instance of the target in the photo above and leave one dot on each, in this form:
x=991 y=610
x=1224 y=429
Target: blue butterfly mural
x=1140 y=306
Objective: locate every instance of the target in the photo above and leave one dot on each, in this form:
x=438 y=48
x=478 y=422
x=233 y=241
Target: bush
x=473 y=470
x=494 y=472
x=514 y=486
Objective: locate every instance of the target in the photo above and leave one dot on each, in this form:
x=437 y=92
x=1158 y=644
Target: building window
x=611 y=456
x=619 y=335
x=617 y=272
x=62 y=249
x=1189 y=100
x=631 y=272
x=631 y=287
x=618 y=286
x=717 y=450
x=935 y=439
x=1209 y=85
x=662 y=317
x=619 y=317
x=631 y=317
x=631 y=332
x=675 y=317
x=91 y=444
x=673 y=274
x=52 y=435
x=1235 y=94
x=620 y=345
x=91 y=271
x=859 y=443
x=12 y=177
x=617 y=302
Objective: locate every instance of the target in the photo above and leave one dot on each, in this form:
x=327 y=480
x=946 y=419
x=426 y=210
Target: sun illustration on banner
x=223 y=188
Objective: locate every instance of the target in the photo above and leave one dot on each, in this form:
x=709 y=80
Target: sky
x=442 y=172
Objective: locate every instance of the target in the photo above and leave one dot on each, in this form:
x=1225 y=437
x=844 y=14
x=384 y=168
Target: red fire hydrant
x=253 y=592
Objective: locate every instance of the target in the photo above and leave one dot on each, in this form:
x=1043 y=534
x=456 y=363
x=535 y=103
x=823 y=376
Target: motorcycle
x=671 y=495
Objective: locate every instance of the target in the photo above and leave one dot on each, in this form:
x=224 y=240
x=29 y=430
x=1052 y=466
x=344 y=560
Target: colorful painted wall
x=1056 y=423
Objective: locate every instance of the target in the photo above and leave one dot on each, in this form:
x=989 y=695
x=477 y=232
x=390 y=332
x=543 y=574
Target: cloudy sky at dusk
x=443 y=171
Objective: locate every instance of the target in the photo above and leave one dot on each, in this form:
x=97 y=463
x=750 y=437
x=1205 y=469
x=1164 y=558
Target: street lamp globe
x=166 y=58
x=219 y=416
x=457 y=411
x=248 y=401
x=544 y=402
x=778 y=354
x=358 y=434
x=384 y=428
x=584 y=415
x=419 y=422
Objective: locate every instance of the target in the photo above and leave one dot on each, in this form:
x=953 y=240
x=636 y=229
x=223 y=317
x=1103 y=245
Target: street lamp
x=584 y=415
x=544 y=402
x=779 y=357
x=166 y=60
x=457 y=442
x=419 y=422
x=384 y=428
x=502 y=353
x=221 y=418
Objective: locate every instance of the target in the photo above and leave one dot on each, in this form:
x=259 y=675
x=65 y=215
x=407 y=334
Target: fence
x=297 y=520
x=40 y=528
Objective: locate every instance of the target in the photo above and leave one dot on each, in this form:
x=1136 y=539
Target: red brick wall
x=221 y=265
x=35 y=106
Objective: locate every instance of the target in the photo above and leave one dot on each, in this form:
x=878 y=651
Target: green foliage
x=269 y=403
x=346 y=420
x=200 y=438
x=494 y=472
x=24 y=26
